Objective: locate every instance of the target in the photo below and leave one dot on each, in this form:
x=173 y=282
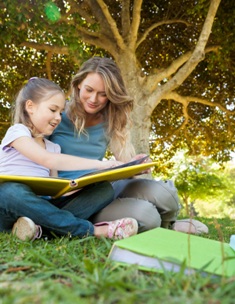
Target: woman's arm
x=32 y=150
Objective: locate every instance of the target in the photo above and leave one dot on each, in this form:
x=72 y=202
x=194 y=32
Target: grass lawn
x=64 y=270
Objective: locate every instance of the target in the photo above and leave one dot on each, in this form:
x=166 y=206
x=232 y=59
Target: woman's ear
x=29 y=106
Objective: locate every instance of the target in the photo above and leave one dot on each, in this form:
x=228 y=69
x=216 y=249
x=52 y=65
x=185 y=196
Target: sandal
x=121 y=228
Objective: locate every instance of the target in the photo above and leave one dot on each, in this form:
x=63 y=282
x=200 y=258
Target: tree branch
x=152 y=81
x=136 y=17
x=185 y=100
x=47 y=47
x=112 y=24
x=89 y=37
x=125 y=18
x=155 y=25
x=81 y=8
x=53 y=49
x=98 y=40
x=197 y=56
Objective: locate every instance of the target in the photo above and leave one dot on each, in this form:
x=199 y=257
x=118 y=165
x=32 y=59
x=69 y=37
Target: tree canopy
x=176 y=57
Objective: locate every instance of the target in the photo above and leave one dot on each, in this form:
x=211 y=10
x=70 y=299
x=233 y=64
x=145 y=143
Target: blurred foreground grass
x=63 y=270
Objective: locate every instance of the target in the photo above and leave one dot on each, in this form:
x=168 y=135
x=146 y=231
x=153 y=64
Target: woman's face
x=92 y=93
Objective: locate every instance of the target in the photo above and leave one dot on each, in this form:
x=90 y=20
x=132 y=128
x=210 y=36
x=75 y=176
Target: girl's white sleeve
x=14 y=132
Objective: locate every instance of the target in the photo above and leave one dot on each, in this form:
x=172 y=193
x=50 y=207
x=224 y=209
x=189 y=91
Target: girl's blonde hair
x=116 y=113
x=36 y=90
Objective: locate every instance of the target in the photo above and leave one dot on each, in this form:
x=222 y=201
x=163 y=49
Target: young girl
x=26 y=151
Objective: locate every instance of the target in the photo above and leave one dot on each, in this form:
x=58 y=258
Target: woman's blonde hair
x=37 y=90
x=116 y=113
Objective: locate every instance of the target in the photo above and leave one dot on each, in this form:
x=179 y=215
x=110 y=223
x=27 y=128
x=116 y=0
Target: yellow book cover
x=56 y=187
x=168 y=250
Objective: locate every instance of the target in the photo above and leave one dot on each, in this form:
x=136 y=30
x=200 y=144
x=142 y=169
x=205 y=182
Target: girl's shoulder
x=19 y=127
x=14 y=132
x=18 y=130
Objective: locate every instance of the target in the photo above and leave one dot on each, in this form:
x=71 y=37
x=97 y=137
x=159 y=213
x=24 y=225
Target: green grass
x=64 y=270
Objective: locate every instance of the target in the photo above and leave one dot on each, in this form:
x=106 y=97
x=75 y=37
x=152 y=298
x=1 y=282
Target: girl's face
x=92 y=93
x=46 y=115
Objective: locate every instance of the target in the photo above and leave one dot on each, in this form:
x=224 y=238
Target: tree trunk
x=140 y=128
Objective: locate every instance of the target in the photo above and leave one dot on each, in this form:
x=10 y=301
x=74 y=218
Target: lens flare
x=52 y=12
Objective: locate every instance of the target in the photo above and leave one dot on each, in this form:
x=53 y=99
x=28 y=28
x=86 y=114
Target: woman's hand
x=111 y=164
x=139 y=156
x=147 y=160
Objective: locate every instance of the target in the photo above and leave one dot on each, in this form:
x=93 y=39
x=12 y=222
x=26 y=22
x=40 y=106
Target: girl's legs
x=87 y=201
x=18 y=200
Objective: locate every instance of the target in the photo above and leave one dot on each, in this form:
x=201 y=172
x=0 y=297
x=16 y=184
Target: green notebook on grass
x=162 y=249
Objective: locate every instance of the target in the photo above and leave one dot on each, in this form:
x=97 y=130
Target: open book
x=167 y=250
x=56 y=187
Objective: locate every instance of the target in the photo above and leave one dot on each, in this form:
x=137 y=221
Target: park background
x=177 y=59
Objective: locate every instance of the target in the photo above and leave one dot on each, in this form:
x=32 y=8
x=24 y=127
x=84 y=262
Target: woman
x=97 y=118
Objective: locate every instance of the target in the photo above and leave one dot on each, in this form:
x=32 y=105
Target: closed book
x=168 y=250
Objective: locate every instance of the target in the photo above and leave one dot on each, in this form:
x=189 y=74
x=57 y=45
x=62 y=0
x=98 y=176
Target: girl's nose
x=58 y=117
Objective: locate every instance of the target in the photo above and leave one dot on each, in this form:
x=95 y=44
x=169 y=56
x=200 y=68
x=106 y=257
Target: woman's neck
x=94 y=119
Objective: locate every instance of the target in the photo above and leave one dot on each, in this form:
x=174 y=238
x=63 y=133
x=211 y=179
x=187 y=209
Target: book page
x=129 y=164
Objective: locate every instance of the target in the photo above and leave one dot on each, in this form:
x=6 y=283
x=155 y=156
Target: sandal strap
x=122 y=228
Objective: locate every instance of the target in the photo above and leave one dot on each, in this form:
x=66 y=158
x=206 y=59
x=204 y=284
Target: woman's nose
x=93 y=97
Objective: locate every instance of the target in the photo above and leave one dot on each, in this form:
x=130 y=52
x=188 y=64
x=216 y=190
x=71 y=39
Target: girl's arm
x=32 y=150
x=53 y=173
